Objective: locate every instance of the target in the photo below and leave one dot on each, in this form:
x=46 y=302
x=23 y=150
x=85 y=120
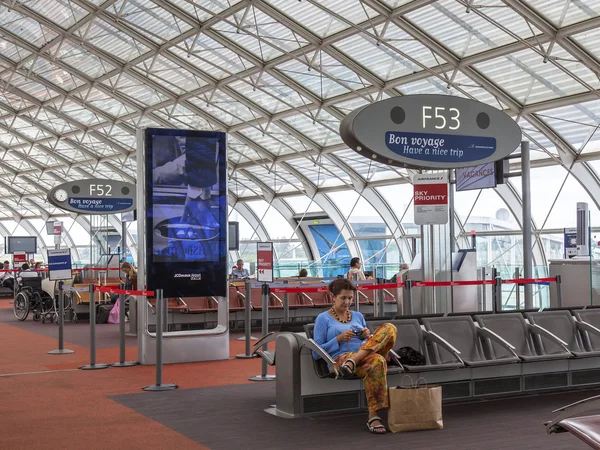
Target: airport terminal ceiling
x=77 y=77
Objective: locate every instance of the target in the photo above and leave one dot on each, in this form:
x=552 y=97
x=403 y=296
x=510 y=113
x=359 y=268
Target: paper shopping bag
x=415 y=408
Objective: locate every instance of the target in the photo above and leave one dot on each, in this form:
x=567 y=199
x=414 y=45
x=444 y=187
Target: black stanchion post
x=498 y=295
x=380 y=296
x=265 y=330
x=559 y=291
x=61 y=323
x=92 y=365
x=409 y=302
x=247 y=323
x=122 y=362
x=159 y=334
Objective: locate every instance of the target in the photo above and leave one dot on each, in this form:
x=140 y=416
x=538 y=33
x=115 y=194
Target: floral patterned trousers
x=373 y=368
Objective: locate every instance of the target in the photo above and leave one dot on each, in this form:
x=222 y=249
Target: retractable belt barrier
x=61 y=350
x=122 y=293
x=309 y=288
x=531 y=281
x=451 y=283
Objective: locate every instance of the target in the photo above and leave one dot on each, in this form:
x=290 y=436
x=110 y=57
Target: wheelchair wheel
x=21 y=306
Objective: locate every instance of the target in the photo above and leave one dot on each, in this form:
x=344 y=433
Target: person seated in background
x=398 y=277
x=303 y=273
x=355 y=273
x=6 y=278
x=37 y=266
x=130 y=282
x=26 y=272
x=239 y=271
x=344 y=335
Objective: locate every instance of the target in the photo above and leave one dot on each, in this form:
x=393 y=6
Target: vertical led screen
x=186 y=207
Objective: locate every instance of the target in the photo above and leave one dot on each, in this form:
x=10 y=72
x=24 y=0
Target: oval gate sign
x=94 y=196
x=431 y=132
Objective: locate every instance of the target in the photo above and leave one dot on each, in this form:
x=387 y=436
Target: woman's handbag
x=414 y=408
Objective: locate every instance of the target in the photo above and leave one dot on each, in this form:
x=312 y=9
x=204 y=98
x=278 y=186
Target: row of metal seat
x=452 y=342
x=238 y=298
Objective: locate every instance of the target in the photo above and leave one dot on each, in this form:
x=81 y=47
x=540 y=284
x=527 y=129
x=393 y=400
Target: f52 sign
x=94 y=196
x=430 y=132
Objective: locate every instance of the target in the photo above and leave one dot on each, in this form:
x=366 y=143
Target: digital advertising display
x=186 y=212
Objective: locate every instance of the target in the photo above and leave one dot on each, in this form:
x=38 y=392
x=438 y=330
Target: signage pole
x=160 y=304
x=247 y=322
x=122 y=362
x=92 y=365
x=265 y=330
x=527 y=244
x=61 y=323
x=452 y=235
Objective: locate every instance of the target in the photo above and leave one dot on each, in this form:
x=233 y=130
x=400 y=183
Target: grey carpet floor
x=232 y=417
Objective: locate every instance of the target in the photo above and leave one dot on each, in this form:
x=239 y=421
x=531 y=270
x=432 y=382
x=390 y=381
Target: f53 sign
x=431 y=131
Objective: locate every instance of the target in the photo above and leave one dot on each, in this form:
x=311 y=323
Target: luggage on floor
x=102 y=313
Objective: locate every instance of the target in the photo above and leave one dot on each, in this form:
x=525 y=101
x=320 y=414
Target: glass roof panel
x=63 y=13
x=399 y=54
x=203 y=11
x=24 y=27
x=589 y=40
x=323 y=133
x=315 y=16
x=269 y=93
x=530 y=80
x=106 y=37
x=12 y=51
x=314 y=79
x=149 y=19
x=208 y=55
x=566 y=12
x=302 y=204
x=170 y=75
x=467 y=33
x=277 y=142
x=577 y=124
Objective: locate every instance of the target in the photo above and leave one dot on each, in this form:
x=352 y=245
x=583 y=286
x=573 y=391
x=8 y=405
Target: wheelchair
x=32 y=297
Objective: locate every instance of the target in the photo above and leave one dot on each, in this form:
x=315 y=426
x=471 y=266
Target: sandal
x=377 y=429
x=345 y=369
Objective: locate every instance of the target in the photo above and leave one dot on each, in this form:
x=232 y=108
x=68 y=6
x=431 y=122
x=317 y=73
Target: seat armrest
x=312 y=345
x=269 y=337
x=243 y=298
x=584 y=326
x=278 y=299
x=396 y=358
x=486 y=332
x=574 y=409
x=436 y=338
x=306 y=296
x=534 y=328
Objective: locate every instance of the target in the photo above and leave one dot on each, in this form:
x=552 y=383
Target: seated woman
x=130 y=280
x=344 y=335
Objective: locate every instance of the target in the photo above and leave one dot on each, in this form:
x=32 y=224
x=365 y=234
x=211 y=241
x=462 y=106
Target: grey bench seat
x=464 y=335
x=563 y=325
x=411 y=334
x=513 y=328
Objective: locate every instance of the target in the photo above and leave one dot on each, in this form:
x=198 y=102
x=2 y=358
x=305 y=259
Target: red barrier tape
x=297 y=290
x=452 y=283
x=110 y=290
x=529 y=280
x=366 y=287
x=376 y=287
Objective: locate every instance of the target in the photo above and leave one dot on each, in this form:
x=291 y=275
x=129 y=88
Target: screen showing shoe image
x=186 y=210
